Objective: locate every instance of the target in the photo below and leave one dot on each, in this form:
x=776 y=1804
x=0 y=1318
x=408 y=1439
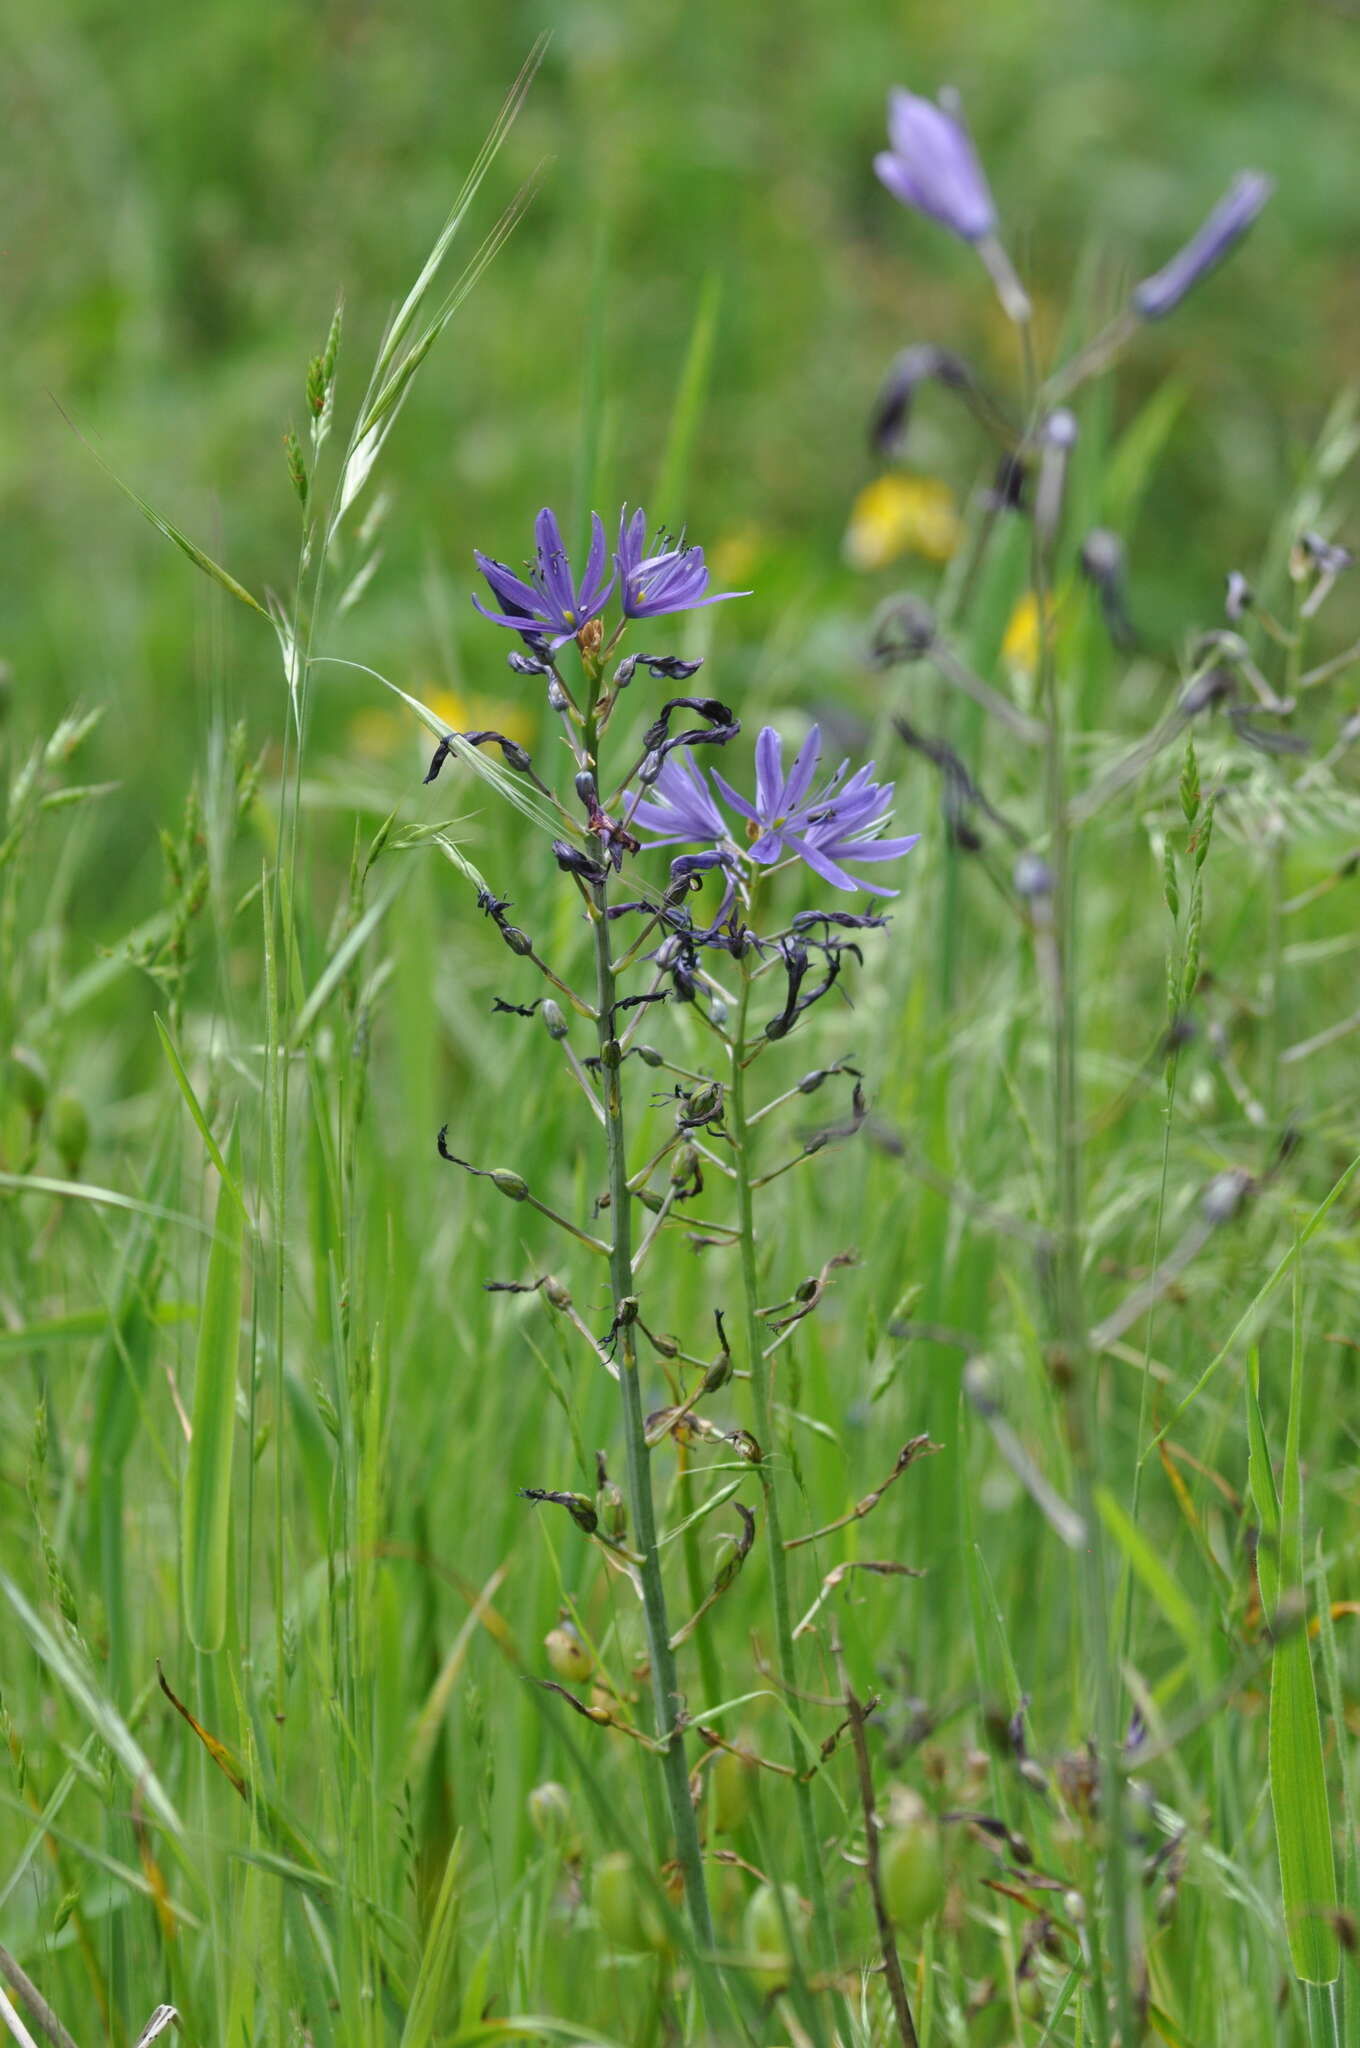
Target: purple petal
x=737 y=801
x=769 y=772
x=821 y=864
x=804 y=768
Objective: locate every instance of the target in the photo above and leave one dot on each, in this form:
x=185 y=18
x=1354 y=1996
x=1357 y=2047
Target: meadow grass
x=277 y=1618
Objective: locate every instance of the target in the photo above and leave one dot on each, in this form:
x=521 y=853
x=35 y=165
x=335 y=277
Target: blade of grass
x=206 y=1501
x=1298 y=1782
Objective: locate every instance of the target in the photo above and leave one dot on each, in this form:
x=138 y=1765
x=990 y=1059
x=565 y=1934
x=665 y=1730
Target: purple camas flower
x=824 y=825
x=932 y=167
x=551 y=606
x=675 y=579
x=1160 y=294
x=679 y=808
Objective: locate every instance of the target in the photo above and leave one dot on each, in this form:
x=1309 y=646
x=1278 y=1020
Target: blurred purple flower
x=932 y=167
x=673 y=580
x=551 y=607
x=679 y=807
x=826 y=826
x=1160 y=294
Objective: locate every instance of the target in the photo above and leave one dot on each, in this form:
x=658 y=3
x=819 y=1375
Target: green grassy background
x=184 y=194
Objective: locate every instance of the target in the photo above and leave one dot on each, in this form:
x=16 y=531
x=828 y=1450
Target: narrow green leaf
x=71 y=1673
x=1250 y=1316
x=690 y=397
x=422 y=2014
x=186 y=1089
x=172 y=533
x=1159 y=1582
x=1298 y=1781
x=1261 y=1485
x=206 y=1499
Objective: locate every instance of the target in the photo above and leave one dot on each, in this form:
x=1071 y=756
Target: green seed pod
x=684 y=1166
x=28 y=1081
x=512 y=1185
x=731 y=1778
x=764 y=1936
x=554 y=1021
x=1029 y=1993
x=626 y=1916
x=70 y=1128
x=550 y=1816
x=649 y=1056
x=554 y=1293
x=911 y=1865
x=567 y=1654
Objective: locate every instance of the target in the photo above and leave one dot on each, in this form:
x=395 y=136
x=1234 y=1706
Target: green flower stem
x=642 y=1507
x=1079 y=1372
x=762 y=1388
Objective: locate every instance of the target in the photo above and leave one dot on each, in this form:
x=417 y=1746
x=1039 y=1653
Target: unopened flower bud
x=567 y=1654
x=717 y=1012
x=1240 y=595
x=512 y=1185
x=554 y=1021
x=586 y=788
x=1224 y=1195
x=590 y=639
x=1033 y=877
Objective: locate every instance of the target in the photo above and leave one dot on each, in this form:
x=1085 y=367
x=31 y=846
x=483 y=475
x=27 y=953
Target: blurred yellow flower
x=734 y=555
x=902 y=515
x=1020 y=646
x=378 y=731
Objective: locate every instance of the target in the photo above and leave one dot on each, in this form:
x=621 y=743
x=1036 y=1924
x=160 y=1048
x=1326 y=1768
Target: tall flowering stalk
x=931 y=168
x=829 y=826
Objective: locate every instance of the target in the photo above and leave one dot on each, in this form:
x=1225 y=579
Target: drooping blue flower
x=551 y=606
x=932 y=167
x=675 y=579
x=825 y=826
x=1161 y=293
x=679 y=809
